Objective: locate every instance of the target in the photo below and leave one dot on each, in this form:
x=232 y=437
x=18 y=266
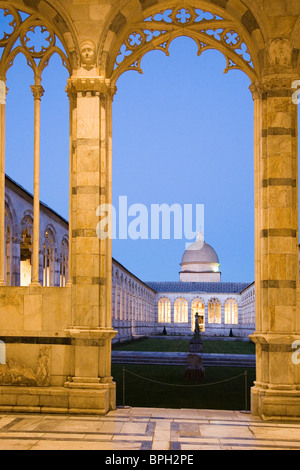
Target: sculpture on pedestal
x=195 y=370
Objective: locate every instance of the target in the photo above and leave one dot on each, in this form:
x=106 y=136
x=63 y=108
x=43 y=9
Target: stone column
x=38 y=92
x=91 y=256
x=276 y=393
x=2 y=181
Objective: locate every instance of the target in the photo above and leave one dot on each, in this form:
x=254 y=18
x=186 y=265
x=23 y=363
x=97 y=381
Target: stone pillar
x=91 y=261
x=276 y=393
x=2 y=181
x=38 y=92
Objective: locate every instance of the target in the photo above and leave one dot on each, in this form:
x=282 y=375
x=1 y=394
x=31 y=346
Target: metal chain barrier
x=245 y=374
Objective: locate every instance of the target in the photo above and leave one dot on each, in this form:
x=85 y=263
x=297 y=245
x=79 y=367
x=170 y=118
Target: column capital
x=94 y=86
x=3 y=91
x=37 y=91
x=281 y=85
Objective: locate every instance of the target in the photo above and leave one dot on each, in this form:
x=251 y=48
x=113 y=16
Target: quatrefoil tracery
x=209 y=30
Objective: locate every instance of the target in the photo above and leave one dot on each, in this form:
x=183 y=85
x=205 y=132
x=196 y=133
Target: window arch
x=48 y=258
x=231 y=312
x=26 y=250
x=164 y=310
x=8 y=248
x=214 y=311
x=181 y=311
x=64 y=263
x=198 y=307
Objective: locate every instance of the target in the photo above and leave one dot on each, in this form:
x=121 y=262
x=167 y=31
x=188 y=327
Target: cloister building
x=138 y=308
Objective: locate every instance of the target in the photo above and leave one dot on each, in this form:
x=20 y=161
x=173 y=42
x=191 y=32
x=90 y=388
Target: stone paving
x=149 y=429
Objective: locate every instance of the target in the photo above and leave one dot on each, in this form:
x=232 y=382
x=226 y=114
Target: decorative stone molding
x=96 y=86
x=279 y=85
x=37 y=91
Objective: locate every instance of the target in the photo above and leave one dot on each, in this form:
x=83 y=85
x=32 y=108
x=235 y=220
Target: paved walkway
x=132 y=429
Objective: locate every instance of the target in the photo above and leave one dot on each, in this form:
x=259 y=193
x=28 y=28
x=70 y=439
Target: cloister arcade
x=99 y=42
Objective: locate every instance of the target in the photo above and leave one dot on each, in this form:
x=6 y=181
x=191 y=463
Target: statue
x=197 y=327
x=195 y=370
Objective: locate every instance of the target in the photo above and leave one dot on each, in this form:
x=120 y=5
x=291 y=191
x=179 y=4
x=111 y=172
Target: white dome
x=200 y=263
x=200 y=252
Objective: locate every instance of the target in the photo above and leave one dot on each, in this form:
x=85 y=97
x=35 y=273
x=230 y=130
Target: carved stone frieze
x=13 y=373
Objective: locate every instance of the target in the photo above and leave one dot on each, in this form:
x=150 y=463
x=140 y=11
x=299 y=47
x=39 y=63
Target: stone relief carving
x=16 y=374
x=280 y=52
x=43 y=370
x=88 y=54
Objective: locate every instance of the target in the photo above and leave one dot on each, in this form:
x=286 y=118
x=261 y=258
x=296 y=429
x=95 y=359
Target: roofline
x=252 y=283
x=133 y=275
x=25 y=191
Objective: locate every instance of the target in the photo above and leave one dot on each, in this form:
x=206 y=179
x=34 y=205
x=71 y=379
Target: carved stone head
x=88 y=54
x=280 y=52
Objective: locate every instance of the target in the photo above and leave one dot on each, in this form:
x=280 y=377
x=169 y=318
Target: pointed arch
x=134 y=30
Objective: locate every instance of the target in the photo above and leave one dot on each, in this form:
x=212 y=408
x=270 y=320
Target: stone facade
x=101 y=42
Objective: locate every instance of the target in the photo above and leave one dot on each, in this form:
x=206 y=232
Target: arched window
x=214 y=311
x=26 y=251
x=198 y=307
x=181 y=311
x=8 y=252
x=164 y=311
x=231 y=312
x=64 y=263
x=48 y=261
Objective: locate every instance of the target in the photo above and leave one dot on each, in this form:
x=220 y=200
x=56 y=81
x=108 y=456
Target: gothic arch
x=140 y=26
x=12 y=216
x=50 y=13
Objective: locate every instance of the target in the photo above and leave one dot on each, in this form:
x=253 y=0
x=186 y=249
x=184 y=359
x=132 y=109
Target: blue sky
x=182 y=133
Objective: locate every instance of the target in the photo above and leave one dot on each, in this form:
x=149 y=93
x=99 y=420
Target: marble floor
x=130 y=429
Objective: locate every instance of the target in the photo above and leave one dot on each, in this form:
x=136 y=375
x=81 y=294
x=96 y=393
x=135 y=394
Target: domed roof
x=200 y=252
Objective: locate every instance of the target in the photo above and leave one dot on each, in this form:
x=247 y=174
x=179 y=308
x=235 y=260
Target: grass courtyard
x=158 y=386
x=182 y=345
x=227 y=395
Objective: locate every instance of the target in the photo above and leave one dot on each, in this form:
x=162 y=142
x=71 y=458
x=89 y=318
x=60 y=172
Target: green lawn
x=182 y=345
x=229 y=395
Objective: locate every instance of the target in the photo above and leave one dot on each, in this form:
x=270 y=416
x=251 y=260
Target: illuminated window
x=26 y=251
x=48 y=268
x=181 y=311
x=214 y=311
x=198 y=307
x=231 y=312
x=164 y=311
x=64 y=263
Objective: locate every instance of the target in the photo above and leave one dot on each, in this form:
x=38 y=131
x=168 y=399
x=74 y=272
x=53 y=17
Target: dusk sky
x=183 y=133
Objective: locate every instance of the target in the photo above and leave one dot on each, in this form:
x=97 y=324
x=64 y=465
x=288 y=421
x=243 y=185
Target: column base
x=275 y=403
x=58 y=400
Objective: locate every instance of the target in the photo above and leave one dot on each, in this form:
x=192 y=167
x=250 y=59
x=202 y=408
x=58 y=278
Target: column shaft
x=38 y=92
x=2 y=181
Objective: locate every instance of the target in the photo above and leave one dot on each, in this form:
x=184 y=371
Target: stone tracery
x=209 y=31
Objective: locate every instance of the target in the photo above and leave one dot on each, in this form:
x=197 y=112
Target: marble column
x=2 y=181
x=38 y=92
x=90 y=276
x=276 y=393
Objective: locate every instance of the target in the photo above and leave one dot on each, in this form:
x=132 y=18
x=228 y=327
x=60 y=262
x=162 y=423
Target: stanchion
x=124 y=387
x=246 y=391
